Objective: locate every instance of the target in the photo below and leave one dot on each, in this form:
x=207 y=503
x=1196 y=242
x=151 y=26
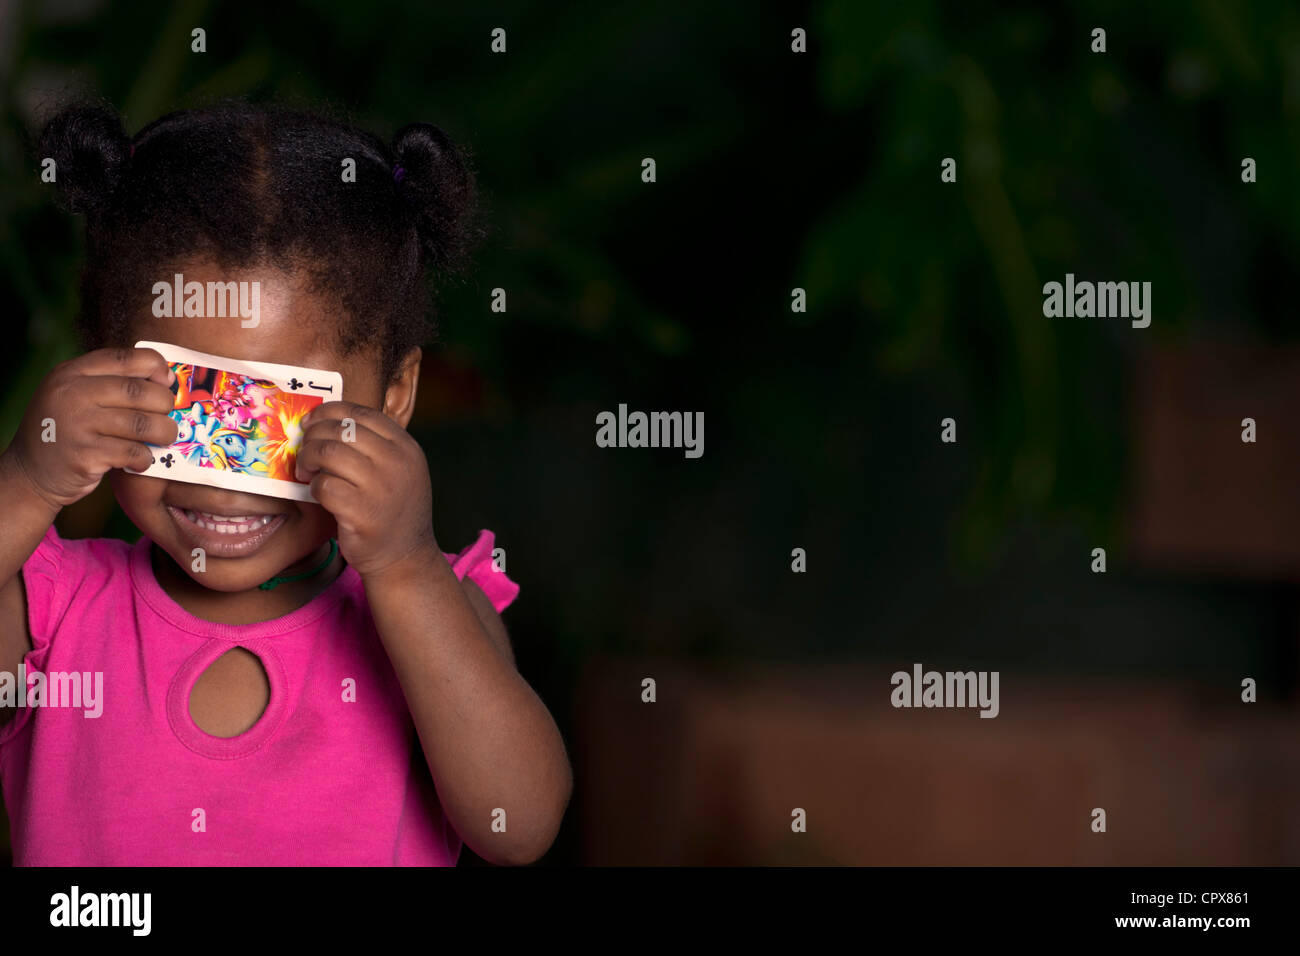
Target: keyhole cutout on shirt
x=231 y=695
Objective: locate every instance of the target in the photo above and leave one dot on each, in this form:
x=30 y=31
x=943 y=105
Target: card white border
x=268 y=370
x=230 y=480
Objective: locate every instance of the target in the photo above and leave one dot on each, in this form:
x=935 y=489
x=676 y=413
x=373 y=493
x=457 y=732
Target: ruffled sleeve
x=47 y=587
x=475 y=562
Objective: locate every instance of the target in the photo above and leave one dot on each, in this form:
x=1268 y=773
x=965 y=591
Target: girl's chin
x=225 y=583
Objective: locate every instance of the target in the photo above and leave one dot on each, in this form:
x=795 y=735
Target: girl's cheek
x=313 y=515
x=137 y=494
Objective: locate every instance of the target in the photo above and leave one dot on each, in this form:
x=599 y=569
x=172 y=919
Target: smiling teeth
x=228 y=524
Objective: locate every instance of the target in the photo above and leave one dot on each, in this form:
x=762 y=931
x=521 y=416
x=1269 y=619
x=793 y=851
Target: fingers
x=118 y=453
x=336 y=495
x=131 y=362
x=117 y=391
x=344 y=429
x=350 y=434
x=362 y=415
x=335 y=457
x=136 y=425
x=340 y=438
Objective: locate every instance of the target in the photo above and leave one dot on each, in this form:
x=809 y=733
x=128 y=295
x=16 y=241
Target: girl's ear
x=399 y=399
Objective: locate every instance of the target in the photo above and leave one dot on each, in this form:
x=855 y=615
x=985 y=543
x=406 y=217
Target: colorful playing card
x=238 y=422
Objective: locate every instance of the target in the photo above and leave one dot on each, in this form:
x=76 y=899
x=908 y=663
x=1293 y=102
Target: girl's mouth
x=225 y=536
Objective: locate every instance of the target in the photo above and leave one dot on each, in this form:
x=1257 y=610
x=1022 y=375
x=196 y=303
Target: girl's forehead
x=254 y=314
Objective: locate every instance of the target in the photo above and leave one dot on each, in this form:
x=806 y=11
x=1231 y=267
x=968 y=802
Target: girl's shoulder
x=57 y=557
x=59 y=567
x=56 y=550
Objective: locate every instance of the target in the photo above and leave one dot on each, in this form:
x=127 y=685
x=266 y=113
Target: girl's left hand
x=372 y=476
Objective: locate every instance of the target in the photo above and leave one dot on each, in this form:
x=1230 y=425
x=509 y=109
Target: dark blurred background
x=821 y=171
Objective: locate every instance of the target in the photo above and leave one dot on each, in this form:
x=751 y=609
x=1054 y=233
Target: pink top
x=325 y=777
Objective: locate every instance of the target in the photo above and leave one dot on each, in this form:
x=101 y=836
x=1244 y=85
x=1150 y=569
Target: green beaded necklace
x=283 y=578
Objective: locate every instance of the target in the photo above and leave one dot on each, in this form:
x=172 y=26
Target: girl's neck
x=245 y=607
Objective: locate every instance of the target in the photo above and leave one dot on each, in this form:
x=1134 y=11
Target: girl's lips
x=225 y=536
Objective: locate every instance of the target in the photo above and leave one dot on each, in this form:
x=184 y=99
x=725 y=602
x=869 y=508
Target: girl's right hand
x=91 y=414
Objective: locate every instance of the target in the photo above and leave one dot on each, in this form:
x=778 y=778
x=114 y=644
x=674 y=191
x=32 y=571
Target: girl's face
x=255 y=536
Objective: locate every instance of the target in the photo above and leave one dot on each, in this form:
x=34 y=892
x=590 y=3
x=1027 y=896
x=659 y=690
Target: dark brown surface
x=1204 y=500
x=711 y=772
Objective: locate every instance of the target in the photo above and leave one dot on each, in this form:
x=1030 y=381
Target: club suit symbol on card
x=238 y=423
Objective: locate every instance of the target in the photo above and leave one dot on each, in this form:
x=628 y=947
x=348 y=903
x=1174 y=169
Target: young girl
x=327 y=686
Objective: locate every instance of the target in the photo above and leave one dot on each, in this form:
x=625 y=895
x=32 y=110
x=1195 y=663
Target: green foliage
x=1121 y=165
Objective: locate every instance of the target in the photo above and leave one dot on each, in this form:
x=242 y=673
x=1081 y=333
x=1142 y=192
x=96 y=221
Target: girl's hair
x=242 y=184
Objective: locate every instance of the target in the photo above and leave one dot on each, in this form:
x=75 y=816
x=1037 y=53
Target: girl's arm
x=89 y=415
x=25 y=517
x=491 y=744
x=489 y=741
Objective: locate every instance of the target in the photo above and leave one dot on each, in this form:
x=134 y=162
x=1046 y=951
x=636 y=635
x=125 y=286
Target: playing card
x=238 y=422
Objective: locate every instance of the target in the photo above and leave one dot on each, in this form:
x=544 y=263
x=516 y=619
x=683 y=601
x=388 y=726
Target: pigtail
x=434 y=177
x=91 y=152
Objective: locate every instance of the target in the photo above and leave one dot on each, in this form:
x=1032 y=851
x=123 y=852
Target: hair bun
x=439 y=184
x=90 y=150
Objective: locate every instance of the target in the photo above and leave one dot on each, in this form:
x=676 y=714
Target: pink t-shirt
x=331 y=774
